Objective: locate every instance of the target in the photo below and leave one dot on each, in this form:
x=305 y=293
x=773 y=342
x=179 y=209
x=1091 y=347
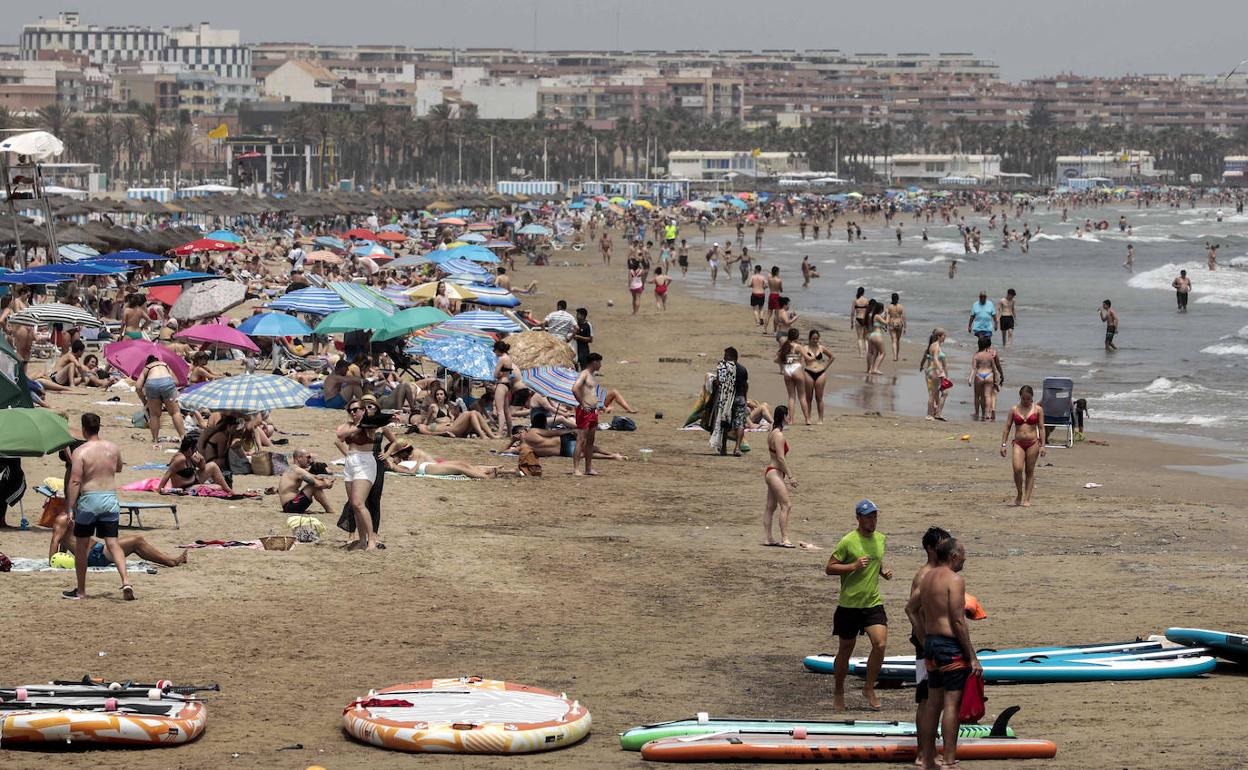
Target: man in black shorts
x=299 y=487
x=932 y=538
x=858 y=560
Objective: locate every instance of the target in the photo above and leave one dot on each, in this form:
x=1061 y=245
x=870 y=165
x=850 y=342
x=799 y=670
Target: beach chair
x=1057 y=401
x=132 y=510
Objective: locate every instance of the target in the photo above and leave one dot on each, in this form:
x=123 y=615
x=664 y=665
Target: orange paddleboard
x=742 y=746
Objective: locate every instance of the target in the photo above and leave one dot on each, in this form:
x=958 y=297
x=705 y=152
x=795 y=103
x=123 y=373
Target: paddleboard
x=1173 y=663
x=830 y=748
x=704 y=724
x=824 y=663
x=1232 y=647
x=466 y=715
x=148 y=719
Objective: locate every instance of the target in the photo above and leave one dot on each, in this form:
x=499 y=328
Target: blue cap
x=865 y=508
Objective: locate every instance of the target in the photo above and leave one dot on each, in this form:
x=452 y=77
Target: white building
x=204 y=49
x=1120 y=166
x=729 y=164
x=933 y=168
x=300 y=80
x=1235 y=168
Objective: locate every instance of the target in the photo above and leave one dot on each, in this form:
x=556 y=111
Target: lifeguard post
x=21 y=159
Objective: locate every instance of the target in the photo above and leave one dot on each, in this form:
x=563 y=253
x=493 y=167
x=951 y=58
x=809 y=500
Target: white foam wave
x=1162 y=386
x=859 y=267
x=1076 y=362
x=1227 y=287
x=1163 y=418
x=1235 y=262
x=1226 y=349
x=829 y=262
x=922 y=261
x=1048 y=237
x=945 y=247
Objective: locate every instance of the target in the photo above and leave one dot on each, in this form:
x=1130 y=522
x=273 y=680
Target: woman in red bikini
x=661 y=283
x=777 y=478
x=1027 y=421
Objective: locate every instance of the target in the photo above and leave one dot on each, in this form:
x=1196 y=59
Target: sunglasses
x=354 y=409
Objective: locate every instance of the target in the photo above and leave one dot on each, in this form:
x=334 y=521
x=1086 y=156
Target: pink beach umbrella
x=130 y=356
x=219 y=336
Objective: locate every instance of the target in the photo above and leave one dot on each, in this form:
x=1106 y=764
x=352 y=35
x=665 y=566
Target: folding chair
x=1057 y=401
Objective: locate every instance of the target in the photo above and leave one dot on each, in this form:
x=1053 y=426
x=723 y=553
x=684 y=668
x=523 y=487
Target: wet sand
x=645 y=593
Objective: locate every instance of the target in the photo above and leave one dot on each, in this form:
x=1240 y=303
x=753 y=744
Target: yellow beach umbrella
x=647 y=205
x=430 y=290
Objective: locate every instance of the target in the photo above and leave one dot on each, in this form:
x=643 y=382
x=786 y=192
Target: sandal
x=71 y=594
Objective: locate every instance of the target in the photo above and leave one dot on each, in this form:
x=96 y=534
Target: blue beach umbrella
x=274 y=325
x=224 y=235
x=310 y=300
x=180 y=276
x=463 y=267
x=134 y=255
x=462 y=355
x=329 y=242
x=473 y=238
x=485 y=320
x=247 y=393
x=555 y=383
x=534 y=229
x=492 y=295
x=29 y=278
x=79 y=268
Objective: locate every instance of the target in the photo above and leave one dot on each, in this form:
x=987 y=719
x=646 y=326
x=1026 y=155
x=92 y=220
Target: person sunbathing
x=189 y=471
x=70 y=370
x=551 y=443
x=131 y=545
x=445 y=419
x=402 y=457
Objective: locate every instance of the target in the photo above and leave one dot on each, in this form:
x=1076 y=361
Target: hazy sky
x=1028 y=38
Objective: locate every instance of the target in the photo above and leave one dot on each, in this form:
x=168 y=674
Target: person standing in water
x=858 y=319
x=896 y=314
x=1110 y=317
x=1182 y=287
x=858 y=560
x=1130 y=263
x=1008 y=316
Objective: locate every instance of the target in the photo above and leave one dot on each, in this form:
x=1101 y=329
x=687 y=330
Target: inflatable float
x=467 y=715
x=830 y=748
x=704 y=724
x=1232 y=647
x=91 y=712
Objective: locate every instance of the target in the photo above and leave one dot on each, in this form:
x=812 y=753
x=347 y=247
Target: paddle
x=133 y=708
x=163 y=685
x=14 y=694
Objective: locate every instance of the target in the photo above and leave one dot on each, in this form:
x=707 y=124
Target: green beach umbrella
x=408 y=321
x=353 y=320
x=32 y=432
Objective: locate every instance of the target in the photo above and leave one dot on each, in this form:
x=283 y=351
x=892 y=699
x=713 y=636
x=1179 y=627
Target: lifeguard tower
x=22 y=156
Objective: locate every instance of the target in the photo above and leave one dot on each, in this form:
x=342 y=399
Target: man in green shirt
x=858 y=560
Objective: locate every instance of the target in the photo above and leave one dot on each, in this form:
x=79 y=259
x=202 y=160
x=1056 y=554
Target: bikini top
x=1031 y=419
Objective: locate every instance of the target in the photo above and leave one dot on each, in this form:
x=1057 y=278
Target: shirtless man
x=91 y=495
x=604 y=247
x=1110 y=317
x=775 y=287
x=502 y=280
x=940 y=605
x=758 y=296
x=586 y=392
x=1182 y=287
x=340 y=388
x=1008 y=316
x=1212 y=254
x=932 y=538
x=298 y=487
x=545 y=441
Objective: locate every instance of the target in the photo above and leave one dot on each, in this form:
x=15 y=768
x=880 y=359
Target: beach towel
x=149 y=467
x=200 y=490
x=41 y=565
x=727 y=410
x=254 y=545
x=972 y=708
x=146 y=485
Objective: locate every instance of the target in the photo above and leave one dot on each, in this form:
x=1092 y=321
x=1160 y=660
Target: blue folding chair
x=1057 y=401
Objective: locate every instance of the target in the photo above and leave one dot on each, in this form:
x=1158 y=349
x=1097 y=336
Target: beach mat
x=41 y=565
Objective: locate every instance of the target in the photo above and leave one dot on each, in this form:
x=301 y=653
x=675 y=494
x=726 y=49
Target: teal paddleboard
x=1228 y=646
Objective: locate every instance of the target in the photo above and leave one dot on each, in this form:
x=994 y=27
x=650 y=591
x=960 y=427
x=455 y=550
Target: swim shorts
x=1007 y=322
x=586 y=419
x=335 y=402
x=1110 y=331
x=773 y=301
x=97 y=513
x=97 y=558
x=849 y=622
x=567 y=444
x=297 y=504
x=757 y=300
x=361 y=466
x=160 y=389
x=947 y=668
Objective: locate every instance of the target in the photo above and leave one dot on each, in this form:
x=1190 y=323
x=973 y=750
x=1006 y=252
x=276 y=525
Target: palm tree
x=53 y=118
x=177 y=142
x=130 y=134
x=152 y=120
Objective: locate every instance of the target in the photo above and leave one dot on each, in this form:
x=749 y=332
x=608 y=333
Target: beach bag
x=238 y=462
x=972 y=708
x=623 y=423
x=945 y=383
x=52 y=508
x=529 y=465
x=138 y=420
x=262 y=464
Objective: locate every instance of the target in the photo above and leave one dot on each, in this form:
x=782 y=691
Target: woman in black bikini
x=445 y=419
x=1027 y=421
x=505 y=376
x=189 y=469
x=815 y=362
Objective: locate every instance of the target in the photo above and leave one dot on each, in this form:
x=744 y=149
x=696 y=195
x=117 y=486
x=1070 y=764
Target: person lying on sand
x=551 y=443
x=402 y=457
x=97 y=556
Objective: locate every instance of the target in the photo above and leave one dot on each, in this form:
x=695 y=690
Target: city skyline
x=1105 y=39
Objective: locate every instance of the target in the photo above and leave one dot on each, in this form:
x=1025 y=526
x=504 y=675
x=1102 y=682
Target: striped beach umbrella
x=247 y=393
x=357 y=295
x=310 y=300
x=55 y=313
x=555 y=383
x=492 y=295
x=415 y=345
x=486 y=320
x=462 y=267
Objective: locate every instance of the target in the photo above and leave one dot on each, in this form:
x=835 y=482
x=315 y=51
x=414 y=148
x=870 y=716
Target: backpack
x=623 y=423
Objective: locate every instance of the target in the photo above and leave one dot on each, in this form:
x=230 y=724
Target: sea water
x=1173 y=372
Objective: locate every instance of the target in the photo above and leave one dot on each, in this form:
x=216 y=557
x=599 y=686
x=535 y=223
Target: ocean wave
x=945 y=247
x=1162 y=418
x=1227 y=287
x=922 y=261
x=1161 y=386
x=828 y=262
x=1076 y=362
x=1226 y=349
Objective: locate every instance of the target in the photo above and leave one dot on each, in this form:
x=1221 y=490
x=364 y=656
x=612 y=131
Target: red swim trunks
x=586 y=419
x=773 y=301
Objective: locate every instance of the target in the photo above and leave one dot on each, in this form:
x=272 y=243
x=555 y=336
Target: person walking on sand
x=946 y=637
x=933 y=537
x=92 y=497
x=775 y=287
x=604 y=247
x=355 y=439
x=777 y=478
x=729 y=408
x=585 y=389
x=1027 y=421
x=636 y=283
x=758 y=296
x=1109 y=317
x=1182 y=287
x=858 y=560
x=661 y=284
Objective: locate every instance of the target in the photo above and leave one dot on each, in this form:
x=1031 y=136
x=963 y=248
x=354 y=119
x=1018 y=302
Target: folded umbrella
x=130 y=356
x=208 y=299
x=247 y=393
x=486 y=320
x=217 y=335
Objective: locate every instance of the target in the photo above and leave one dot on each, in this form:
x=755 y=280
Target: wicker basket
x=277 y=542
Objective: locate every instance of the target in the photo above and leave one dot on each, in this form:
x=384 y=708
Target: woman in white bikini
x=789 y=358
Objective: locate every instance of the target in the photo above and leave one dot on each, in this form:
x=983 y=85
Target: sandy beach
x=645 y=593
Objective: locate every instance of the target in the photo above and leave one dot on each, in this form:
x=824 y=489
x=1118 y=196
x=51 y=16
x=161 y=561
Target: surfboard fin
x=1002 y=722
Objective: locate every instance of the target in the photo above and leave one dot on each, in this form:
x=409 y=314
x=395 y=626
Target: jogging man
x=858 y=560
x=92 y=497
x=950 y=657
